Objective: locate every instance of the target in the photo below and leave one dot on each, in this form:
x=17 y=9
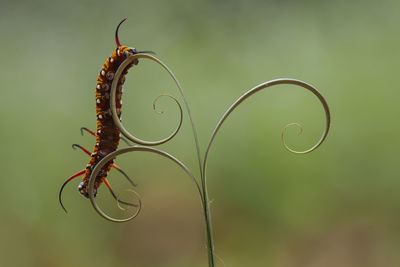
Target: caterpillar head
x=131 y=51
x=125 y=51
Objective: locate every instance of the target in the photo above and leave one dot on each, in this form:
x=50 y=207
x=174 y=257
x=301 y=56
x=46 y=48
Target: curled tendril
x=136 y=195
x=114 y=154
x=261 y=87
x=117 y=75
x=158 y=97
x=298 y=125
x=117 y=121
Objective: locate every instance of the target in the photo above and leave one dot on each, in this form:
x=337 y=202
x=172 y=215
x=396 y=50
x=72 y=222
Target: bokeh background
x=337 y=206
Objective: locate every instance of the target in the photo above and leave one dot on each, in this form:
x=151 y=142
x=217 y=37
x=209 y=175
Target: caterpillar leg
x=114 y=165
x=94 y=134
x=115 y=196
x=65 y=183
x=82 y=148
x=87 y=130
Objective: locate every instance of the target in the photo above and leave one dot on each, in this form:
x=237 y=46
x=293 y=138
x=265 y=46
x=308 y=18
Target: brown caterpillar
x=107 y=134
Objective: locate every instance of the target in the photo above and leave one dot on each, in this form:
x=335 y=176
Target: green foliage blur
x=337 y=206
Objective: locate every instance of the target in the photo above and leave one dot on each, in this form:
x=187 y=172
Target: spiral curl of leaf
x=117 y=121
x=265 y=85
x=298 y=125
x=119 y=202
x=113 y=155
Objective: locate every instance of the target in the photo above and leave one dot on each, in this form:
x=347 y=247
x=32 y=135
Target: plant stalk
x=208 y=226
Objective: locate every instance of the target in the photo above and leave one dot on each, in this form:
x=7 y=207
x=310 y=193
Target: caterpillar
x=107 y=134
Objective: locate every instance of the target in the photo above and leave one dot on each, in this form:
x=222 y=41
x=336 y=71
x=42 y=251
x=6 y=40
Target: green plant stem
x=208 y=225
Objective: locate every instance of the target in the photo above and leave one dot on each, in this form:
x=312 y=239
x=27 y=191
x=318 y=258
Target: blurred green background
x=338 y=206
